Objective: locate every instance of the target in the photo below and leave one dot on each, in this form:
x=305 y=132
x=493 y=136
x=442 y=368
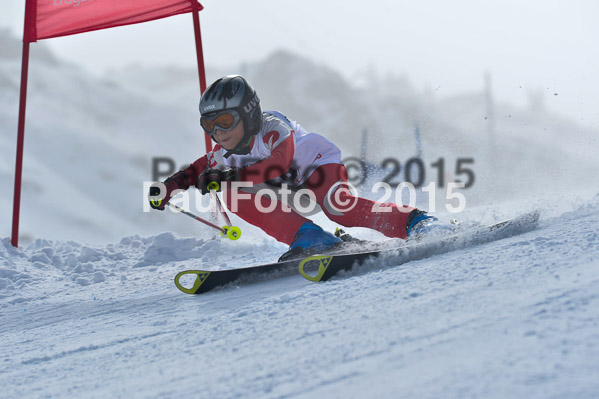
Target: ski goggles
x=225 y=121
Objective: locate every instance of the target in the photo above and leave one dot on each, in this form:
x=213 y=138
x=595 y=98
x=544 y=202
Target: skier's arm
x=278 y=163
x=187 y=177
x=196 y=169
x=181 y=180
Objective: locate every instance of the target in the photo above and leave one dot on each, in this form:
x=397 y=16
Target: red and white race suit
x=284 y=152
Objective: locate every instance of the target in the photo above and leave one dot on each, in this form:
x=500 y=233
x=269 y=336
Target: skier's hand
x=212 y=179
x=159 y=199
x=156 y=200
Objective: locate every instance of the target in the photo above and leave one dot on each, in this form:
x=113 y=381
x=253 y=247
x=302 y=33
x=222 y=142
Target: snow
x=88 y=307
x=514 y=318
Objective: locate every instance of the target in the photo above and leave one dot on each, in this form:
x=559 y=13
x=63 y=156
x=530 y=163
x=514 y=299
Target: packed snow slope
x=513 y=318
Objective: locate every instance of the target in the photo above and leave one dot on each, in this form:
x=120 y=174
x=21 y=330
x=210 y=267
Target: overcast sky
x=442 y=45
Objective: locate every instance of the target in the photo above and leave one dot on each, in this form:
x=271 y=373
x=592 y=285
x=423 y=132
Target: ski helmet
x=233 y=92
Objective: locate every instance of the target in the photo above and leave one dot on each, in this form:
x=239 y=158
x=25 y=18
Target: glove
x=178 y=181
x=212 y=179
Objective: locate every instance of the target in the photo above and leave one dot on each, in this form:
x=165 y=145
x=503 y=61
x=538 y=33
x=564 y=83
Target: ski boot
x=310 y=239
x=420 y=224
x=346 y=237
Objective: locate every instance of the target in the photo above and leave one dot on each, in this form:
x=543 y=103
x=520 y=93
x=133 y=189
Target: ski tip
x=200 y=278
x=324 y=262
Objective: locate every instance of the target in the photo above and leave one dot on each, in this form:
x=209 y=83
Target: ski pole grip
x=213 y=186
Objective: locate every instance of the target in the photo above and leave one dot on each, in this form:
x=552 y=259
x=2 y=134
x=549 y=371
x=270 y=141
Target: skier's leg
x=351 y=211
x=280 y=224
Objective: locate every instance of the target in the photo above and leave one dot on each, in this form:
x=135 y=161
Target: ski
x=206 y=280
x=329 y=265
x=287 y=265
x=326 y=265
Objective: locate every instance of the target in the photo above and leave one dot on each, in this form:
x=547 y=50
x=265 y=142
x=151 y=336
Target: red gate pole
x=200 y=56
x=20 y=144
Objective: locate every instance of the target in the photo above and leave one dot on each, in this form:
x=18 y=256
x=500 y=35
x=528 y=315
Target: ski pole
x=213 y=187
x=221 y=208
x=231 y=232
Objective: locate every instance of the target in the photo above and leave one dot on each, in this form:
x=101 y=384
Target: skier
x=267 y=149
